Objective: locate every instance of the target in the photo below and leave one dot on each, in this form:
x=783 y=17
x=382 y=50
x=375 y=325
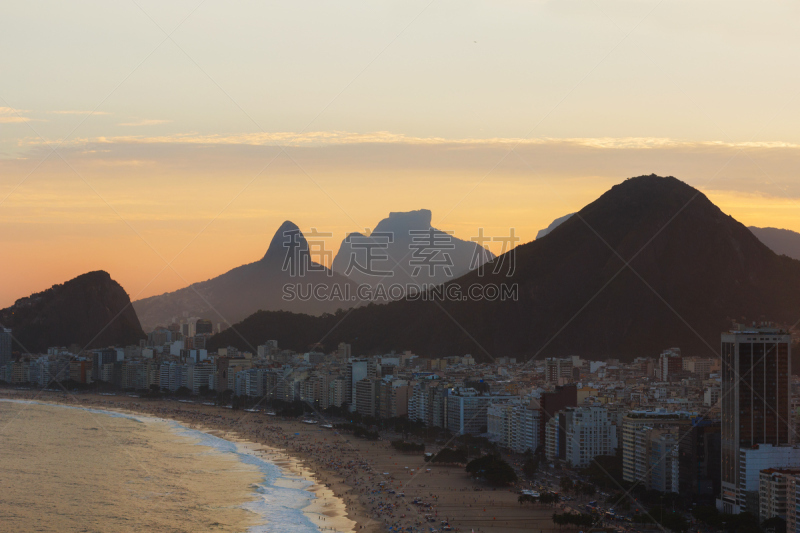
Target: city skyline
x=430 y=265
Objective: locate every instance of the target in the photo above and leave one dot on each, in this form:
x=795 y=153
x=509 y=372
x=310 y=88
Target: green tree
x=775 y=524
x=493 y=469
x=530 y=467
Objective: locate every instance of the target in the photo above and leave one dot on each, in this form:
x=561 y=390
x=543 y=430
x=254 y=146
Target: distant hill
x=91 y=309
x=242 y=291
x=780 y=241
x=553 y=225
x=415 y=252
x=576 y=294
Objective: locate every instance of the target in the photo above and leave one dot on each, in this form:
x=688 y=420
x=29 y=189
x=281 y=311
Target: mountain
x=650 y=264
x=556 y=223
x=780 y=241
x=242 y=291
x=91 y=310
x=406 y=249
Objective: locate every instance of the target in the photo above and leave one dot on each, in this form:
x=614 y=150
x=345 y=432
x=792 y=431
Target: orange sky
x=140 y=138
x=131 y=208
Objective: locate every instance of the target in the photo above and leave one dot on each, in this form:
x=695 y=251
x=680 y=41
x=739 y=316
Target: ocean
x=69 y=469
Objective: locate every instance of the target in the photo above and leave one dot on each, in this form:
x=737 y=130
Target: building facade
x=756 y=368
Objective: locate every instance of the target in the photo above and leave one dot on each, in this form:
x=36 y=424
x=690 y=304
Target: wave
x=280 y=507
x=279 y=499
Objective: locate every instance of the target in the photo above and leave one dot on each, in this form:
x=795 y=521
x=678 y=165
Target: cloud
x=78 y=112
x=9 y=115
x=144 y=122
x=325 y=138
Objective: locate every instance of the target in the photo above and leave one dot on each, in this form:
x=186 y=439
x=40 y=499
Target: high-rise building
x=392 y=398
x=514 y=425
x=636 y=429
x=203 y=326
x=356 y=371
x=579 y=434
x=753 y=461
x=590 y=432
x=553 y=402
x=366 y=397
x=560 y=371
x=100 y=358
x=756 y=368
x=343 y=351
x=466 y=410
x=5 y=345
x=663 y=463
x=670 y=365
x=776 y=491
x=699 y=457
x=698 y=365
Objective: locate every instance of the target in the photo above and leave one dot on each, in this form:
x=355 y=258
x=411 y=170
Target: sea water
x=67 y=468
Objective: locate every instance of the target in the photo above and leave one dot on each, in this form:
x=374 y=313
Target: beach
x=359 y=485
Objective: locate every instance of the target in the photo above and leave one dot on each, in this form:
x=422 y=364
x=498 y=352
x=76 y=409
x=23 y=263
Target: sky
x=166 y=142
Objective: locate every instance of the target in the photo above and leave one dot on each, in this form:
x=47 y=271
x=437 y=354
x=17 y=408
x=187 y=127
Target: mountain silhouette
x=652 y=263
x=91 y=311
x=406 y=249
x=781 y=241
x=242 y=291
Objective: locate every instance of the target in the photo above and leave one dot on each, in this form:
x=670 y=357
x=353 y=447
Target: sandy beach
x=359 y=485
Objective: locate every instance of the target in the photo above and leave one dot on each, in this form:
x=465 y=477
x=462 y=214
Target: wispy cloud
x=79 y=112
x=323 y=138
x=145 y=122
x=9 y=115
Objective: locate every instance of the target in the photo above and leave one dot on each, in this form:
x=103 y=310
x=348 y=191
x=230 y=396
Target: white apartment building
x=202 y=375
x=513 y=425
x=662 y=467
x=336 y=393
x=711 y=396
x=589 y=432
x=465 y=410
x=776 y=494
x=752 y=461
x=552 y=437
x=499 y=420
x=525 y=428
x=634 y=444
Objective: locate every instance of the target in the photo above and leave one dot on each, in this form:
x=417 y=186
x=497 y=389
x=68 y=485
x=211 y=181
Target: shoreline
x=326 y=510
x=291 y=471
x=358 y=485
x=333 y=513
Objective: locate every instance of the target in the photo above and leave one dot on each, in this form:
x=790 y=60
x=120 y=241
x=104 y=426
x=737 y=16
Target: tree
x=448 y=455
x=581 y=519
x=775 y=524
x=479 y=386
x=566 y=483
x=493 y=469
x=603 y=466
x=407 y=447
x=530 y=467
x=668 y=519
x=549 y=498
